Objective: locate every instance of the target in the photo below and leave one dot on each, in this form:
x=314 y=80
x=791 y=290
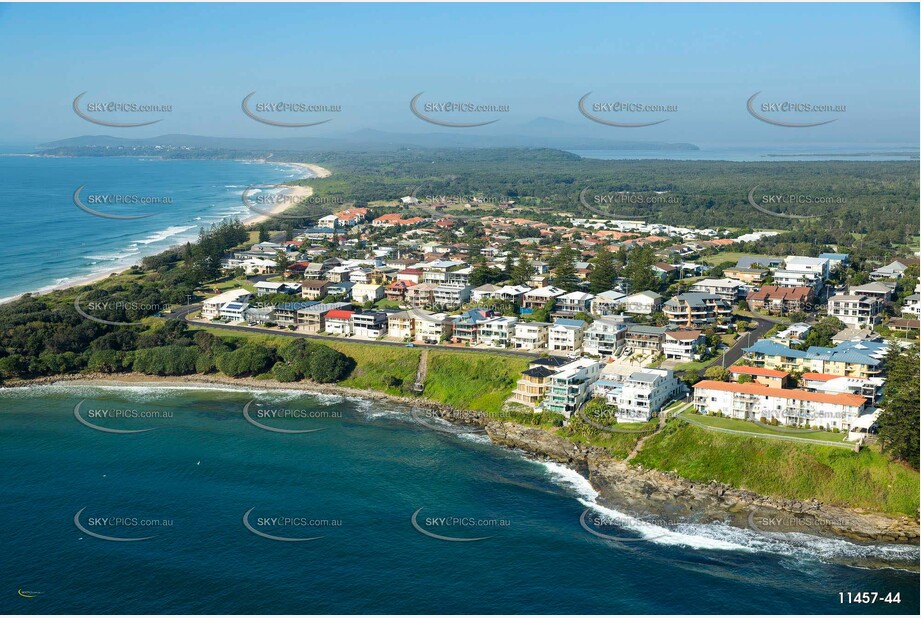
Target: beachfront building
x=401 y=326
x=570 y=387
x=566 y=335
x=339 y=322
x=869 y=388
x=431 y=327
x=211 y=307
x=604 y=337
x=641 y=337
x=534 y=382
x=645 y=392
x=531 y=335
x=234 y=311
x=312 y=319
x=854 y=310
x=466 y=326
x=792 y=407
x=497 y=332
x=369 y=325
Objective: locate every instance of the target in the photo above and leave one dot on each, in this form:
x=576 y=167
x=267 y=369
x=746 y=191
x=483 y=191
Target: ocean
x=209 y=486
x=47 y=241
x=799 y=152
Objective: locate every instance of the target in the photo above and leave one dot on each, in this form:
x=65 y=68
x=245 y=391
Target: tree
x=263 y=233
x=899 y=420
x=564 y=270
x=249 y=359
x=604 y=273
x=638 y=271
x=522 y=271
x=716 y=373
x=281 y=262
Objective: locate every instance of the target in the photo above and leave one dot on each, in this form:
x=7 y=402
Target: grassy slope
x=387 y=369
x=472 y=381
x=783 y=469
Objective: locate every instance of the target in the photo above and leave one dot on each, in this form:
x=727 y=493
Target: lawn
x=729 y=256
x=472 y=381
x=784 y=469
x=739 y=425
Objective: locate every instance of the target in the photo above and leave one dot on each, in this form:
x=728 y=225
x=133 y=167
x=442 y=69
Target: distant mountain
x=540 y=133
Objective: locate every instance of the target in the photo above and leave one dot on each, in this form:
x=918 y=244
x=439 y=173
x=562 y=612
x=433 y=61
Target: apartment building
x=604 y=337
x=450 y=297
x=369 y=325
x=791 y=407
x=401 y=325
x=566 y=335
x=695 y=309
x=497 y=332
x=312 y=319
x=773 y=378
x=568 y=305
x=645 y=392
x=859 y=359
x=538 y=298
x=431 y=327
x=570 y=387
x=534 y=382
x=338 y=322
x=854 y=310
x=781 y=300
x=641 y=337
x=729 y=290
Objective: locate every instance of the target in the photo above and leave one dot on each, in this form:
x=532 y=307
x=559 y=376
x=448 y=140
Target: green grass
x=729 y=256
x=739 y=425
x=784 y=469
x=618 y=445
x=472 y=381
x=388 y=369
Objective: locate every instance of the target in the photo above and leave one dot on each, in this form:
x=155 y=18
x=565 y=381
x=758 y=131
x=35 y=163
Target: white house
x=645 y=392
x=566 y=335
x=729 y=290
x=682 y=344
x=234 y=311
x=572 y=303
x=483 y=292
x=643 y=303
x=211 y=307
x=497 y=332
x=430 y=327
x=363 y=292
x=607 y=303
x=570 y=387
x=531 y=335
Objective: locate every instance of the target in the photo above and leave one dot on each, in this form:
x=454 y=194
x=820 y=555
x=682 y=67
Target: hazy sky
x=538 y=59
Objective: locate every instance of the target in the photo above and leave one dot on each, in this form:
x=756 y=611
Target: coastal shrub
x=284 y=372
x=249 y=359
x=106 y=361
x=204 y=363
x=171 y=360
x=328 y=365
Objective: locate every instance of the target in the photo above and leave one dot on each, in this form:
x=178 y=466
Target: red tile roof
x=338 y=314
x=753 y=388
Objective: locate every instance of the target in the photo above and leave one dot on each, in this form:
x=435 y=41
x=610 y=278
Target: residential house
x=607 y=303
x=367 y=292
x=893 y=270
x=264 y=288
x=538 y=298
x=286 y=313
x=879 y=290
x=497 y=332
x=683 y=345
x=342 y=289
x=641 y=337
x=531 y=335
x=234 y=311
x=643 y=303
x=339 y=322
x=369 y=325
x=314 y=289
x=534 y=382
x=396 y=291
x=312 y=319
x=836 y=260
x=401 y=326
x=566 y=335
x=211 y=307
x=466 y=326
x=431 y=327
x=512 y=293
x=568 y=305
x=422 y=295
x=729 y=290
x=483 y=292
x=751 y=276
x=451 y=297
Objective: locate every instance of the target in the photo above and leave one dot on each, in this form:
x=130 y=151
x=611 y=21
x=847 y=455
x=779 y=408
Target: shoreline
x=651 y=495
x=298 y=191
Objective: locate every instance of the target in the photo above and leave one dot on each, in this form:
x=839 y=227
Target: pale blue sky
x=539 y=59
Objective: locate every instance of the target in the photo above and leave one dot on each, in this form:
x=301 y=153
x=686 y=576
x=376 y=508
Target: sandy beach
x=295 y=194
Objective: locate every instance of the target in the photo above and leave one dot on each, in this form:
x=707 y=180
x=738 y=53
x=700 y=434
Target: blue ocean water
x=46 y=240
x=355 y=484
